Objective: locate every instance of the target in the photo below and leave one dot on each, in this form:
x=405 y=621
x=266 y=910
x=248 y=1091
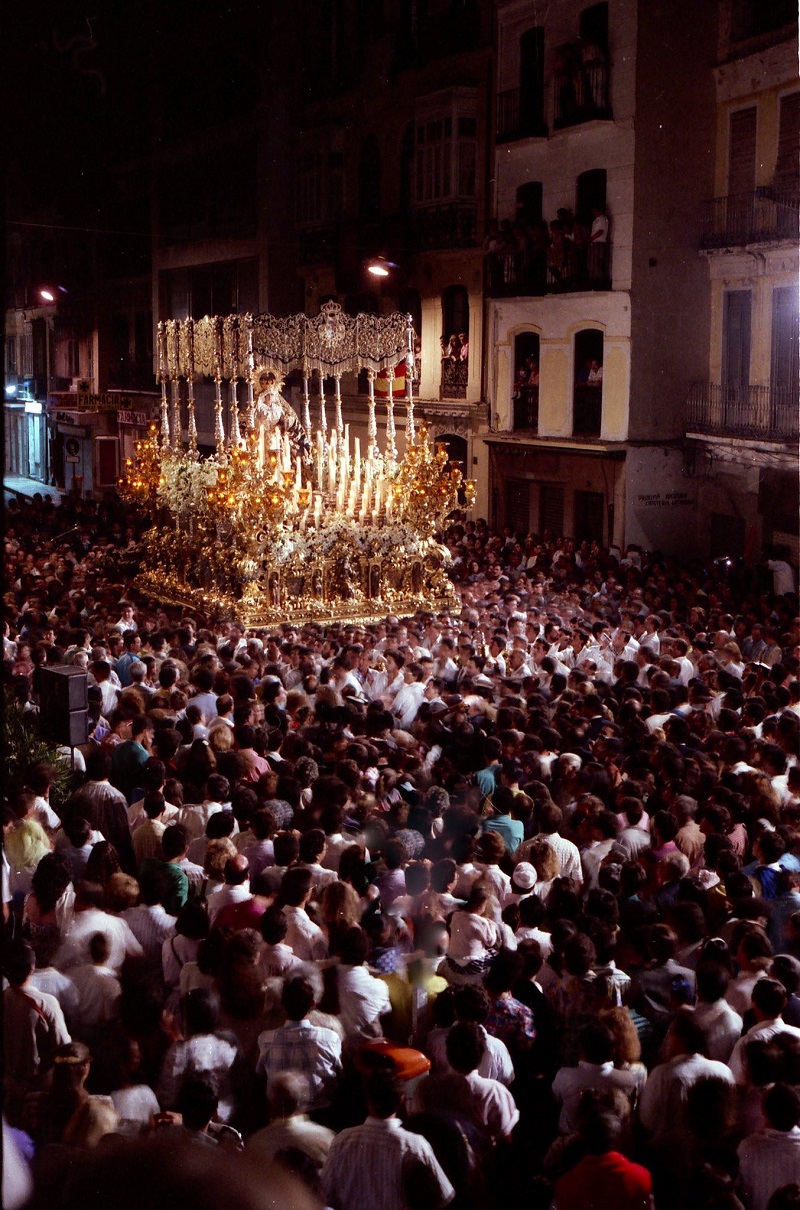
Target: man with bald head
x=236 y=888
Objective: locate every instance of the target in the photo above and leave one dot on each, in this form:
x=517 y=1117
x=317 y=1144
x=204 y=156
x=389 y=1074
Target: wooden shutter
x=518 y=505
x=736 y=338
x=551 y=509
x=742 y=151
x=787 y=167
x=784 y=371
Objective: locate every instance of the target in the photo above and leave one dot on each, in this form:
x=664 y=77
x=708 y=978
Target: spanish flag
x=398 y=381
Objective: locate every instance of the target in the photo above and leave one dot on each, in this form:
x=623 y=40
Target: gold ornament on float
x=274 y=525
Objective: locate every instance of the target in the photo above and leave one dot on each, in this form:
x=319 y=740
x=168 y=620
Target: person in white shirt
x=550 y=819
x=126 y=620
x=409 y=698
x=368 y=1165
x=363 y=999
x=305 y=939
x=770 y=1159
x=471 y=1003
x=721 y=1023
x=149 y=922
x=486 y=1102
x=595 y=1071
x=312 y=1050
x=195 y=816
x=98 y=990
x=236 y=888
x=89 y=919
x=662 y=1107
x=312 y=853
x=768 y=1001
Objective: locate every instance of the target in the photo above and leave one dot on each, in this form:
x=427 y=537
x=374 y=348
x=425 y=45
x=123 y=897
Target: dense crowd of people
x=489 y=907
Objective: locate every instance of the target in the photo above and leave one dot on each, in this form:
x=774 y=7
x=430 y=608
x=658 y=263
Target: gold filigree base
x=255 y=613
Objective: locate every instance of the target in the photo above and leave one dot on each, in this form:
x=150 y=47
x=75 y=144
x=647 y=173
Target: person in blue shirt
x=511 y=830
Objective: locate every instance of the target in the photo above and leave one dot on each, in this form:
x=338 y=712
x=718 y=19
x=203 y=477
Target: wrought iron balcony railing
x=526 y=410
x=771 y=212
x=587 y=410
x=454 y=379
x=758 y=412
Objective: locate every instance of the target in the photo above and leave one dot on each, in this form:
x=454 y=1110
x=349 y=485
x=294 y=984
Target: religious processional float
x=278 y=525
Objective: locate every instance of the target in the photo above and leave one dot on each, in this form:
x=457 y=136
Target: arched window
x=369 y=181
x=587 y=406
x=525 y=392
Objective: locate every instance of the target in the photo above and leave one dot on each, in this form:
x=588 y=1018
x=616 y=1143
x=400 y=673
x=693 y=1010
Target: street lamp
x=49 y=294
x=379 y=266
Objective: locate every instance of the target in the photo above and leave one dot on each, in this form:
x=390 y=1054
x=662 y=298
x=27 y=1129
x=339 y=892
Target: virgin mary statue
x=275 y=418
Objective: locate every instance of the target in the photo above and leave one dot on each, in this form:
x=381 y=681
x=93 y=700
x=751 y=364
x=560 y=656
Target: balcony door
x=742 y=151
x=531 y=81
x=736 y=340
x=784 y=368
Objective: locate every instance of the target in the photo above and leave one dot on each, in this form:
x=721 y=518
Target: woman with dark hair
x=103 y=862
x=191 y=927
x=47 y=911
x=199 y=764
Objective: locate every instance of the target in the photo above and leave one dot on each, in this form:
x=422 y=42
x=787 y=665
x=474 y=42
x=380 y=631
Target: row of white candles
x=358 y=488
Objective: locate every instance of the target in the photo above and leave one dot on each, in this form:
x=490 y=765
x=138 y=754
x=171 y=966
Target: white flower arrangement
x=184 y=483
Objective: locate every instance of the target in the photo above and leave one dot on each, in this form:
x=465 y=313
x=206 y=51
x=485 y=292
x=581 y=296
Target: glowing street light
x=50 y=294
x=379 y=266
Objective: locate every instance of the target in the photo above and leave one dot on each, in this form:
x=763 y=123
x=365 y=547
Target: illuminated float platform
x=285 y=521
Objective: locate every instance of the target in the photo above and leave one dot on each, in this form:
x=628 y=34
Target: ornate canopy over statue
x=275 y=524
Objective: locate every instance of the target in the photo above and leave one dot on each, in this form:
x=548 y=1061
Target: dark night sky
x=83 y=81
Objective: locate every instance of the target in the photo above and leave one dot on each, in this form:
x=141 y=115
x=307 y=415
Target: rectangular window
x=784 y=370
x=736 y=339
x=26 y=354
x=11 y=355
x=588 y=521
x=787 y=167
x=73 y=359
x=446 y=154
x=742 y=151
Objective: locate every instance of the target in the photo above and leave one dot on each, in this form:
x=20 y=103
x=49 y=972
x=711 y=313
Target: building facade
x=597 y=316
x=742 y=416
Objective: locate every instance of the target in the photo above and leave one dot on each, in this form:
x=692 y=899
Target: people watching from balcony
x=525 y=394
x=452 y=351
x=595 y=375
x=581 y=82
x=534 y=258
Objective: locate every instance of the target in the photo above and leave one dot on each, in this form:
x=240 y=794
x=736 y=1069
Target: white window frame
x=440 y=147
